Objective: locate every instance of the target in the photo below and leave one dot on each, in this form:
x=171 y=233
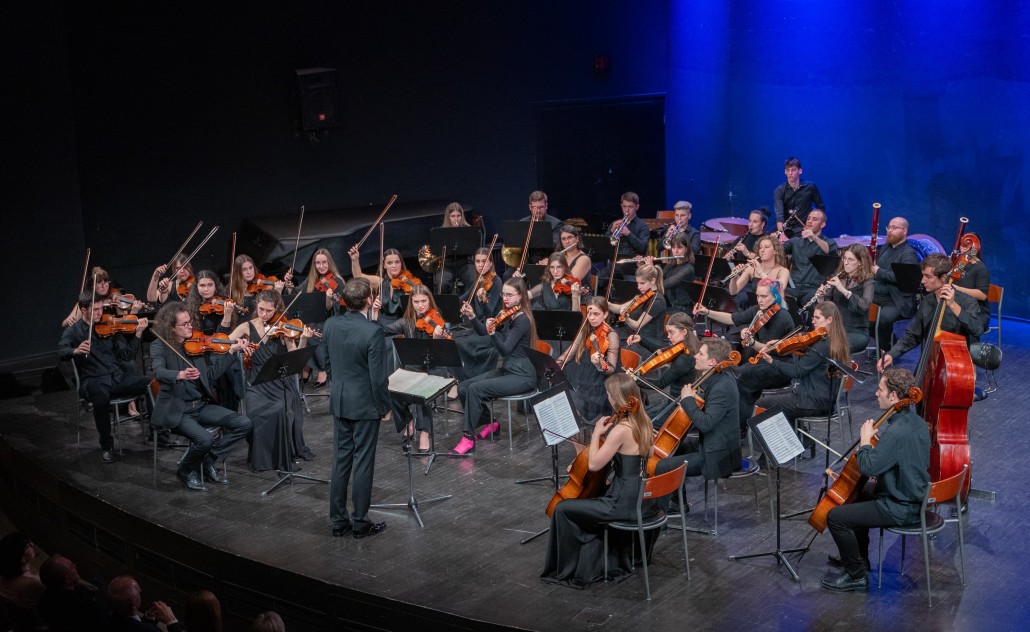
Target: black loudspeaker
x=317 y=91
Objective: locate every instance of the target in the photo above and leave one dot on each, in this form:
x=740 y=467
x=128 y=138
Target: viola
x=845 y=488
x=182 y=288
x=662 y=358
x=109 y=325
x=564 y=285
x=198 y=343
x=216 y=305
x=637 y=303
x=582 y=482
x=791 y=344
x=761 y=318
x=326 y=283
x=405 y=282
x=732 y=360
x=597 y=343
x=261 y=282
x=503 y=316
x=429 y=321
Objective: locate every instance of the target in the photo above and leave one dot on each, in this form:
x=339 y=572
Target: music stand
x=427 y=354
x=826 y=265
x=716 y=298
x=449 y=306
x=908 y=276
x=459 y=241
x=513 y=234
x=557 y=325
x=622 y=291
x=598 y=247
x=310 y=308
x=559 y=421
x=281 y=366
x=780 y=445
x=720 y=269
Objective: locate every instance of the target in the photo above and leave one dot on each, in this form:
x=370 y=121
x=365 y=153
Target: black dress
x=575 y=549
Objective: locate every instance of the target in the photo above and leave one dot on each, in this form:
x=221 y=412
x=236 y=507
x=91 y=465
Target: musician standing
x=894 y=303
x=961 y=315
x=106 y=366
x=802 y=248
x=358 y=400
x=795 y=195
x=899 y=461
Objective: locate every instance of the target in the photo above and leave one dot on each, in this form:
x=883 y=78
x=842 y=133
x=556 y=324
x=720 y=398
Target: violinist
x=802 y=248
x=176 y=287
x=202 y=307
x=814 y=391
x=894 y=304
x=961 y=315
x=744 y=246
x=760 y=323
x=186 y=403
x=575 y=551
x=421 y=320
x=593 y=356
x=512 y=331
x=397 y=281
x=681 y=226
x=487 y=301
x=558 y=290
x=454 y=217
x=716 y=451
x=571 y=242
x=105 y=295
x=766 y=262
x=247 y=281
x=975 y=280
x=106 y=366
x=265 y=402
x=640 y=313
x=678 y=274
x=899 y=461
x=323 y=277
x=851 y=290
x=680 y=369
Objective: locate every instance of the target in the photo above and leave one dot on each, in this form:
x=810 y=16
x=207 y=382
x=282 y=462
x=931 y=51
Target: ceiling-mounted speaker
x=318 y=98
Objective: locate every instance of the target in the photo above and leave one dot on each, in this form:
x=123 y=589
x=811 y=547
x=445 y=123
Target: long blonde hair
x=624 y=393
x=313 y=276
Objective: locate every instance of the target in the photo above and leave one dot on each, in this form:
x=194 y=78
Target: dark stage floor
x=468 y=565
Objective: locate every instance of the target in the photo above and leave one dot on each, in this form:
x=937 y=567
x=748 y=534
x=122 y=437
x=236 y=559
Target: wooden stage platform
x=466 y=569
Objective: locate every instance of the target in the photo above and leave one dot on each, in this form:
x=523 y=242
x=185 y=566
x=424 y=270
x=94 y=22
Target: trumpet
x=614 y=236
x=670 y=232
x=640 y=259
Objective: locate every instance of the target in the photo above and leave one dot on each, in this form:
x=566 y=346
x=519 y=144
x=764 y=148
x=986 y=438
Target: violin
x=791 y=344
x=488 y=281
x=405 y=281
x=198 y=343
x=328 y=282
x=637 y=302
x=759 y=321
x=109 y=325
x=182 y=288
x=123 y=301
x=662 y=358
x=564 y=285
x=503 y=316
x=429 y=321
x=597 y=343
x=286 y=329
x=216 y=305
x=582 y=482
x=261 y=282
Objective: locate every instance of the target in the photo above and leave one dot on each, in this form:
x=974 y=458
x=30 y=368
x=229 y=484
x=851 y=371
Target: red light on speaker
x=602 y=64
x=321 y=117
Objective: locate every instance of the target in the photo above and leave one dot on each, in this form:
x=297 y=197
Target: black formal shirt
x=805 y=275
x=900 y=462
x=107 y=356
x=635 y=243
x=885 y=289
x=718 y=425
x=802 y=200
x=854 y=311
x=678 y=277
x=976 y=276
x=967 y=323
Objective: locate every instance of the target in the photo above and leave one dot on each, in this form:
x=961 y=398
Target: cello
x=845 y=489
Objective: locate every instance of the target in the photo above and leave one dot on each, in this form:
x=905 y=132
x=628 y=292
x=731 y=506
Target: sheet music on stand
x=776 y=436
x=418 y=387
x=556 y=415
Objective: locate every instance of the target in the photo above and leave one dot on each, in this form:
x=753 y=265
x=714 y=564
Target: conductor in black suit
x=186 y=403
x=358 y=400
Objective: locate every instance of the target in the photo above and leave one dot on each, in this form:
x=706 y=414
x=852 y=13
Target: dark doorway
x=589 y=153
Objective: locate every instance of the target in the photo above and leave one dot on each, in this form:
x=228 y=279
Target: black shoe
x=320 y=385
x=166 y=439
x=190 y=481
x=978 y=394
x=107 y=456
x=373 y=529
x=339 y=532
x=834 y=561
x=847 y=583
x=211 y=473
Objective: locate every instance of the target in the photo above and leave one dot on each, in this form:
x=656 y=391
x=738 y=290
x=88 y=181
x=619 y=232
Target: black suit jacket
x=718 y=425
x=170 y=405
x=356 y=363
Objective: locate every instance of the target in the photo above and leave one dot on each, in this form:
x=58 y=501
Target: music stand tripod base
x=413 y=502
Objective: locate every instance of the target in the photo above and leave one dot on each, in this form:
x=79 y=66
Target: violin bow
x=168 y=266
x=296 y=246
x=232 y=265
x=92 y=304
x=85 y=274
x=378 y=219
x=197 y=249
x=611 y=277
x=576 y=343
x=472 y=294
x=708 y=275
x=525 y=245
x=182 y=357
x=282 y=315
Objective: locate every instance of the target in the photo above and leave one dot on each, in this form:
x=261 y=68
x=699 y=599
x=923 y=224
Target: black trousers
x=354 y=456
x=889 y=314
x=752 y=379
x=100 y=395
x=849 y=525
x=194 y=426
x=476 y=393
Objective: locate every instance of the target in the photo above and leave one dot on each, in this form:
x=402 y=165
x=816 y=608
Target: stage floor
x=467 y=569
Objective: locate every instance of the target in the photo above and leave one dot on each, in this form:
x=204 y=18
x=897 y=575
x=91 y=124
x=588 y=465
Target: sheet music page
x=415 y=384
x=779 y=436
x=556 y=418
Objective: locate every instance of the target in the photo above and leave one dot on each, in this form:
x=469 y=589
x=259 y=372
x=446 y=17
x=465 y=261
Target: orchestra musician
x=894 y=303
x=802 y=247
x=851 y=290
x=961 y=316
x=186 y=403
x=538 y=211
x=745 y=245
x=571 y=242
x=678 y=373
x=899 y=461
x=322 y=277
x=633 y=235
x=397 y=281
x=512 y=331
x=678 y=275
x=557 y=290
x=642 y=313
x=795 y=195
x=454 y=217
x=814 y=391
x=752 y=338
x=766 y=262
x=105 y=295
x=106 y=366
x=975 y=282
x=681 y=226
x=246 y=275
x=487 y=301
x=229 y=385
x=175 y=287
x=593 y=356
x=575 y=551
x=274 y=407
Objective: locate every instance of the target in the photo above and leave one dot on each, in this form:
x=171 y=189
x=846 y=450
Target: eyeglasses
x=188 y=323
x=509 y=294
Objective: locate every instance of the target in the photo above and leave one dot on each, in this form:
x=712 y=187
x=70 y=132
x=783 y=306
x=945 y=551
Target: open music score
x=556 y=415
x=419 y=387
x=779 y=441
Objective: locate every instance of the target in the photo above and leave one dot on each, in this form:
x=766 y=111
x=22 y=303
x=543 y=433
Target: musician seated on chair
x=186 y=403
x=899 y=461
x=961 y=315
x=802 y=247
x=106 y=366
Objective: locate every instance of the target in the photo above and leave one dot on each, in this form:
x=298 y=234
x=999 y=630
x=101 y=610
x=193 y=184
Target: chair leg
x=683 y=532
x=879 y=561
x=511 y=447
x=926 y=563
x=961 y=549
x=643 y=560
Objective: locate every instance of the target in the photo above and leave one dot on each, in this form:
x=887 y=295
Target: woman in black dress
x=558 y=290
x=851 y=290
x=593 y=356
x=575 y=552
x=323 y=277
x=396 y=282
x=677 y=373
x=679 y=275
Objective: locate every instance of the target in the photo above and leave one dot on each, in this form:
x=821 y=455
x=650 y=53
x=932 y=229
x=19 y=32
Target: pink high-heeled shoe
x=491 y=428
x=467 y=445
